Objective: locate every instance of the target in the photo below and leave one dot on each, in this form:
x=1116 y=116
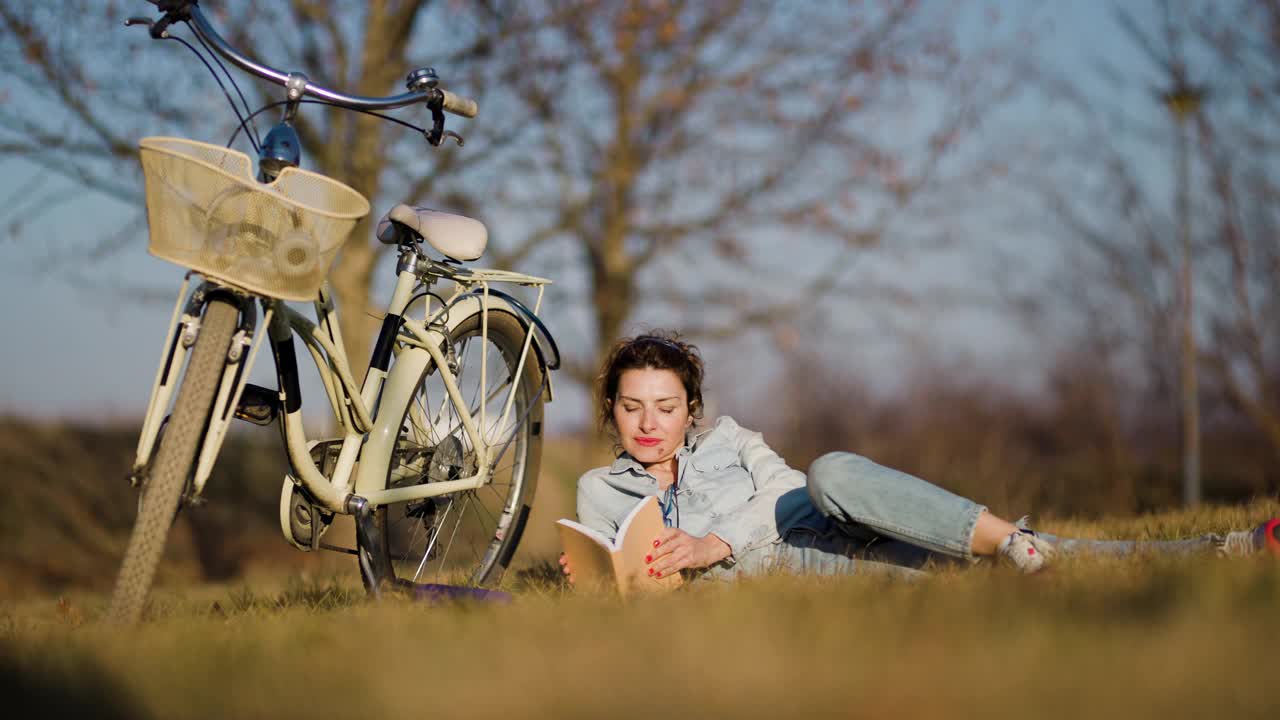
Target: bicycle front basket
x=208 y=213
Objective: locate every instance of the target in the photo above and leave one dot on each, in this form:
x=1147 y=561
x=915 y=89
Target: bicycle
x=438 y=474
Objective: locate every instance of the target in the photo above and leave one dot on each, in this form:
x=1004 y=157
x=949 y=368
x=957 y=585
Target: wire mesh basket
x=208 y=213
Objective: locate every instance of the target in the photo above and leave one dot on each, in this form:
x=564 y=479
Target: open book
x=597 y=562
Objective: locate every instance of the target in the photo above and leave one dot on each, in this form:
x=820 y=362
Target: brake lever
x=158 y=29
x=174 y=11
x=437 y=134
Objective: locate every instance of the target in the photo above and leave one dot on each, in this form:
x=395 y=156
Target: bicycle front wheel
x=467 y=537
x=162 y=490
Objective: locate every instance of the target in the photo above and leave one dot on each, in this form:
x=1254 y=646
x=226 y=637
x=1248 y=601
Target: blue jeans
x=870 y=519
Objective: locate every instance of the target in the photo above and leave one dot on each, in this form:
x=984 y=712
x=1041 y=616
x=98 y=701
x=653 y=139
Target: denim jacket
x=730 y=483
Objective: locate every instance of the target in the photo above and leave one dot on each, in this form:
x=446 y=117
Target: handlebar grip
x=458 y=105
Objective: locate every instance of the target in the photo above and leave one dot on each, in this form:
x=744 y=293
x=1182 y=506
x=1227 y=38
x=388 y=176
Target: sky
x=76 y=347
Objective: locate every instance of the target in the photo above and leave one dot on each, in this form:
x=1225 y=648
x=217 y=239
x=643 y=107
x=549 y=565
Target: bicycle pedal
x=258 y=405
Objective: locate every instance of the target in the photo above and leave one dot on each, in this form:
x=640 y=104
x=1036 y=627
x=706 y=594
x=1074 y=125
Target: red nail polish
x=650 y=571
x=659 y=574
x=655 y=543
x=648 y=558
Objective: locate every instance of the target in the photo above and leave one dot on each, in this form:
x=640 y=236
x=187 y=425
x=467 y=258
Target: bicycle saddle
x=457 y=236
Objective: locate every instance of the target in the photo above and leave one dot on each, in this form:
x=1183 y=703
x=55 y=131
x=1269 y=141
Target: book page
x=589 y=558
x=592 y=533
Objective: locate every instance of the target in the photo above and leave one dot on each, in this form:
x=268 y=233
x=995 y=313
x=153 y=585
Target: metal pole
x=1183 y=101
x=1190 y=380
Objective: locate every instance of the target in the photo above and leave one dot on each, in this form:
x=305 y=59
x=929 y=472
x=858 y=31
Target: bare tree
x=82 y=90
x=1241 y=149
x=719 y=164
x=1109 y=190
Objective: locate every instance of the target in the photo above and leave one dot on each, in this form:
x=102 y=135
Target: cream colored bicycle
x=438 y=448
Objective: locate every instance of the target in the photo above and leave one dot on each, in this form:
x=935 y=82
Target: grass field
x=296 y=637
x=1142 y=637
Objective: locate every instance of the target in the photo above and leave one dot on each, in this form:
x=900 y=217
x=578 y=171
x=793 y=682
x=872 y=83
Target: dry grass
x=1142 y=637
x=1145 y=637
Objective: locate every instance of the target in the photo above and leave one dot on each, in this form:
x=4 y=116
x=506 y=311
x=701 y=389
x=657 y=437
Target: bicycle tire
x=173 y=462
x=498 y=510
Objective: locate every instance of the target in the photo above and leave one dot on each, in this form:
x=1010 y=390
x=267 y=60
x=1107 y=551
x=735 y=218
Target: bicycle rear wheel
x=173 y=461
x=466 y=537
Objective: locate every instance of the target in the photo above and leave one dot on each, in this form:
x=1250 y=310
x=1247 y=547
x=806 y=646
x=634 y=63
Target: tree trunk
x=613 y=295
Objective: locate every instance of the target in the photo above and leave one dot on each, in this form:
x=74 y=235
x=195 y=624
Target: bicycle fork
x=184 y=328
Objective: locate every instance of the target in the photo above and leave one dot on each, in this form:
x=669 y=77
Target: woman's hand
x=564 y=568
x=676 y=550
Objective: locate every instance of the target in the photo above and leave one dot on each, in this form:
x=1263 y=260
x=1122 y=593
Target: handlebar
x=296 y=83
x=458 y=105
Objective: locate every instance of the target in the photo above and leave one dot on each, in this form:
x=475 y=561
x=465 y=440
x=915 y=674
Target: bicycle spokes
x=463 y=531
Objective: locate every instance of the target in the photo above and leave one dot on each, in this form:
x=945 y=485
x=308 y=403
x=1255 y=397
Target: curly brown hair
x=657 y=350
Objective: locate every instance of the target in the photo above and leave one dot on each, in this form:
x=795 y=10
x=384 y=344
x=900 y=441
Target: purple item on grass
x=435 y=592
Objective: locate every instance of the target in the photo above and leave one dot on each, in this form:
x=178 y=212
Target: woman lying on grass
x=731 y=505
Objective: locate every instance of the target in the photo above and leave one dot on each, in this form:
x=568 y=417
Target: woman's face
x=651 y=413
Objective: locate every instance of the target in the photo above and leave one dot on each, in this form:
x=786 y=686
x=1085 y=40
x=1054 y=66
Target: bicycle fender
x=543 y=344
x=402 y=379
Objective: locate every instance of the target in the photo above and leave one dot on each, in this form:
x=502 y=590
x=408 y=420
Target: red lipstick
x=648 y=441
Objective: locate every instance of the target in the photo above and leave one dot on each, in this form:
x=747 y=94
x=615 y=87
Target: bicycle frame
x=242 y=300
x=368 y=438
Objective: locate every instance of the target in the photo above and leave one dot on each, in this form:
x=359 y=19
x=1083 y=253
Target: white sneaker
x=1025 y=551
x=1265 y=537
